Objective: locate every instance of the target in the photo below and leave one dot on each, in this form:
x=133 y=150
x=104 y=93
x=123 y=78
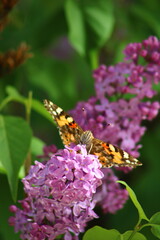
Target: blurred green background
x=68 y=39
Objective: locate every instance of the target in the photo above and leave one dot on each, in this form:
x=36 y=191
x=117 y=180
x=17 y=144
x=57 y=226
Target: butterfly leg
x=89 y=150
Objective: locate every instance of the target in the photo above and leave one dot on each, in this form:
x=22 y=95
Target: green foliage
x=100 y=19
x=101 y=234
x=137 y=236
x=98 y=233
x=76 y=35
x=95 y=21
x=14 y=95
x=37 y=146
x=15 y=139
x=133 y=197
x=155 y=223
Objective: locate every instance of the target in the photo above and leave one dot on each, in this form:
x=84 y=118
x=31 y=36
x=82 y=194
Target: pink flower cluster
x=123 y=94
x=59 y=196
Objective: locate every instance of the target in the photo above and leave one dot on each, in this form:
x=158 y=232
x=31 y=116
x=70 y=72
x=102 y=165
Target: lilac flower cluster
x=109 y=196
x=116 y=113
x=59 y=196
x=122 y=102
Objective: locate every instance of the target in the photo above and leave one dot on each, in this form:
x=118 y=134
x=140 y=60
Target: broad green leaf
x=99 y=233
x=15 y=139
x=156 y=231
x=76 y=25
x=133 y=197
x=155 y=219
x=36 y=149
x=2 y=169
x=21 y=172
x=100 y=18
x=137 y=236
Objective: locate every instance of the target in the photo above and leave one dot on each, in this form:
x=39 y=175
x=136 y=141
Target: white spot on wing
x=112 y=148
x=54 y=113
x=127 y=161
x=125 y=155
x=136 y=160
x=50 y=103
x=70 y=119
x=59 y=110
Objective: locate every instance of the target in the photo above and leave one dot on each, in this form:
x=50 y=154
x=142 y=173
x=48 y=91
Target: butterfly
x=70 y=132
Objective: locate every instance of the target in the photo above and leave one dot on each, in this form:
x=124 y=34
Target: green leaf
x=13 y=95
x=36 y=105
x=2 y=169
x=37 y=146
x=100 y=18
x=133 y=197
x=100 y=233
x=15 y=139
x=147 y=16
x=57 y=79
x=155 y=219
x=137 y=236
x=76 y=26
x=12 y=92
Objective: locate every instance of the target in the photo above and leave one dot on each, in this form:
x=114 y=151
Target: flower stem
x=94 y=59
x=136 y=229
x=27 y=163
x=28 y=107
x=5 y=101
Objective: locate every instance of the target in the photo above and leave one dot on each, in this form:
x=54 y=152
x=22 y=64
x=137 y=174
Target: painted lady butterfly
x=70 y=132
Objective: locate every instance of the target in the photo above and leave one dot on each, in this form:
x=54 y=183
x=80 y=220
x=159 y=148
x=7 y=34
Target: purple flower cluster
x=149 y=49
x=122 y=102
x=109 y=195
x=116 y=113
x=59 y=196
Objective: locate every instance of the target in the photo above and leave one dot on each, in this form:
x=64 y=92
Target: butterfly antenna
x=84 y=113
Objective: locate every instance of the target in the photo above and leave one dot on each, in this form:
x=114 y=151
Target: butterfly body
x=70 y=132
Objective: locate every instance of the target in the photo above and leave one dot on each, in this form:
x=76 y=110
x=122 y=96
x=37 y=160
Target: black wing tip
x=136 y=164
x=139 y=163
x=48 y=103
x=45 y=101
